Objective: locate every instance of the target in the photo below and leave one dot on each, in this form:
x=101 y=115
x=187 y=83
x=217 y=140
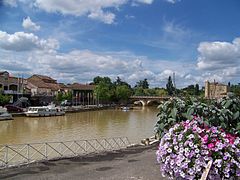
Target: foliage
x=235 y=89
x=123 y=92
x=119 y=82
x=99 y=79
x=170 y=87
x=171 y=112
x=224 y=113
x=103 y=91
x=61 y=96
x=142 y=84
x=4 y=99
x=187 y=147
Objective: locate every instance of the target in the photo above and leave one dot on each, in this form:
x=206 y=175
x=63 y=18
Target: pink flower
x=210 y=146
x=205 y=138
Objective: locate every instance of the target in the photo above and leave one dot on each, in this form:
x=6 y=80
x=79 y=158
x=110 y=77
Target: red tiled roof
x=77 y=86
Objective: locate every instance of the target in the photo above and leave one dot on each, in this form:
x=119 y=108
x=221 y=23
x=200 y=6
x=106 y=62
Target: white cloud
x=28 y=24
x=101 y=10
x=12 y=3
x=144 y=1
x=94 y=9
x=218 y=55
x=172 y=1
x=106 y=17
x=219 y=60
x=21 y=41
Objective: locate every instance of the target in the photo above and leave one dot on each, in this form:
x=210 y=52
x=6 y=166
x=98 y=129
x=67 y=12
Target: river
x=135 y=124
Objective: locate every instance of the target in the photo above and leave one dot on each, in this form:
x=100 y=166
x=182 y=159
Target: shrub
x=223 y=113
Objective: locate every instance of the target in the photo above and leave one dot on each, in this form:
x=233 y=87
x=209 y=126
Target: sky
x=77 y=40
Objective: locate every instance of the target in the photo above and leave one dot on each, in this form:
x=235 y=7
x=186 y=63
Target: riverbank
x=71 y=109
x=133 y=163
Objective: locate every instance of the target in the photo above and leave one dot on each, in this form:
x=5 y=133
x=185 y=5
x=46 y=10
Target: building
x=82 y=93
x=43 y=89
x=13 y=86
x=42 y=85
x=215 y=90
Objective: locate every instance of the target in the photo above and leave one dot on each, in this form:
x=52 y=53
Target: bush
x=223 y=113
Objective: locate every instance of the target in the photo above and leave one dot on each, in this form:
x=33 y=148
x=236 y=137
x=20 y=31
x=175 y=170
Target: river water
x=135 y=124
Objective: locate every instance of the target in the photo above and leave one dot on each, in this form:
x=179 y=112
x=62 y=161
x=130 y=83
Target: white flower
x=223 y=134
x=181 y=150
x=186 y=150
x=182 y=174
x=169 y=150
x=191 y=136
x=190 y=144
x=197 y=150
x=175 y=148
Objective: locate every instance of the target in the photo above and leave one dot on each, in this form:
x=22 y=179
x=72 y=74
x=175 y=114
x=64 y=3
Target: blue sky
x=76 y=40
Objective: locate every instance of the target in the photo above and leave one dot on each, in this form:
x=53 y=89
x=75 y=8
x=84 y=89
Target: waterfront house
x=13 y=86
x=82 y=93
x=42 y=88
x=215 y=90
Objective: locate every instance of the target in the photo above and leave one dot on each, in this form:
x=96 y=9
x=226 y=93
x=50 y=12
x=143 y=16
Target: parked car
x=13 y=109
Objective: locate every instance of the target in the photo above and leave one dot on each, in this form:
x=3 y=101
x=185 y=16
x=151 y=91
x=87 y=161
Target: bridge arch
x=148 y=100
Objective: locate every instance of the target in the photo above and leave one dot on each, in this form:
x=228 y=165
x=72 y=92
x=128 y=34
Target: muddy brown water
x=135 y=124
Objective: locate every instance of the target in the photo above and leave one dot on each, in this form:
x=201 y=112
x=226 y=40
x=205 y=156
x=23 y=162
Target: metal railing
x=18 y=154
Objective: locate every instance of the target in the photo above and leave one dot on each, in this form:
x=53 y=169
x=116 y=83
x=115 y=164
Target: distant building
x=43 y=85
x=82 y=93
x=11 y=85
x=215 y=90
x=43 y=89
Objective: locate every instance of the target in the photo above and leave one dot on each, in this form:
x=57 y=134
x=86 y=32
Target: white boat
x=56 y=111
x=38 y=111
x=4 y=115
x=125 y=108
x=44 y=111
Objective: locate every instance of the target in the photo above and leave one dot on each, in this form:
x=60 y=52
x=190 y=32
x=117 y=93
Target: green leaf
x=238 y=126
x=174 y=113
x=227 y=104
x=236 y=115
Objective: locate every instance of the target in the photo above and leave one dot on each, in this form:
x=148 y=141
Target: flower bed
x=186 y=148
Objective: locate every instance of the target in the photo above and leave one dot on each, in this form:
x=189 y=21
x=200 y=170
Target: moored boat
x=4 y=115
x=44 y=111
x=38 y=111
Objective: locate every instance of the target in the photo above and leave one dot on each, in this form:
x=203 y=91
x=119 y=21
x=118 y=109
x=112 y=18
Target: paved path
x=135 y=163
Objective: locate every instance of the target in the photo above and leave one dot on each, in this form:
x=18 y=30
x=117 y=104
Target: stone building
x=215 y=90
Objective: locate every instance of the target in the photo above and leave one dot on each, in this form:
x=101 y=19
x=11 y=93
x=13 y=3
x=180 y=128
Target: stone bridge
x=146 y=100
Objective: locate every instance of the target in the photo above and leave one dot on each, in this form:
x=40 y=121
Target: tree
x=99 y=79
x=170 y=87
x=143 y=84
x=104 y=89
x=197 y=91
x=119 y=82
x=123 y=92
x=4 y=99
x=139 y=91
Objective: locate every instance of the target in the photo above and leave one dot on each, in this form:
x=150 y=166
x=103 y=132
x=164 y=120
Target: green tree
x=4 y=99
x=123 y=92
x=139 y=91
x=197 y=91
x=119 y=82
x=170 y=87
x=161 y=92
x=143 y=84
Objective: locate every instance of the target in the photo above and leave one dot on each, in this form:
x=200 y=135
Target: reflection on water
x=134 y=124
